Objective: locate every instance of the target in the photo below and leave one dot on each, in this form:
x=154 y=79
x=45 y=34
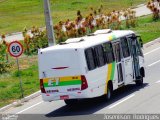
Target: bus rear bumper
x=66 y=95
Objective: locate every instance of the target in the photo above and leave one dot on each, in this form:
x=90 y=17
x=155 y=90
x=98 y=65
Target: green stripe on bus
x=113 y=71
x=113 y=63
x=64 y=83
x=113 y=37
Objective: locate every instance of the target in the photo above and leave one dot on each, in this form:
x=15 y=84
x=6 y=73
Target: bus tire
x=139 y=82
x=109 y=91
x=142 y=72
x=70 y=102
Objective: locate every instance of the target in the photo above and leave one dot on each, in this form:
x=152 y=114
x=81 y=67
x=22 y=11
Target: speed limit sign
x=15 y=49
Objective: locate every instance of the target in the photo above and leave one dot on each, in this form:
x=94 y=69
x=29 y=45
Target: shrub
x=4 y=65
x=33 y=43
x=153 y=6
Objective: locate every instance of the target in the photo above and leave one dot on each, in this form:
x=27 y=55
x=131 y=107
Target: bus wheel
x=139 y=81
x=109 y=92
x=71 y=101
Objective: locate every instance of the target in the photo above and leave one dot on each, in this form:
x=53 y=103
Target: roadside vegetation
x=17 y=14
x=146 y=26
x=9 y=82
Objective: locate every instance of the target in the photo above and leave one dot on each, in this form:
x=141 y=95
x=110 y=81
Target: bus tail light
x=84 y=84
x=42 y=86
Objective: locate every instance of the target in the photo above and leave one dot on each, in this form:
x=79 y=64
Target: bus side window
x=125 y=47
x=108 y=52
x=90 y=59
x=99 y=55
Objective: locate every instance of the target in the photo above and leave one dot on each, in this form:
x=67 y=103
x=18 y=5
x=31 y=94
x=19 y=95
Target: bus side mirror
x=140 y=41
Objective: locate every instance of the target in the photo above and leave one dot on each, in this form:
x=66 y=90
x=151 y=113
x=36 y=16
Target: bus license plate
x=64 y=97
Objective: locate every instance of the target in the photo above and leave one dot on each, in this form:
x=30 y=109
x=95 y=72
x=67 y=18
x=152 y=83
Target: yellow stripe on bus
x=110 y=38
x=69 y=78
x=109 y=70
x=45 y=80
x=108 y=75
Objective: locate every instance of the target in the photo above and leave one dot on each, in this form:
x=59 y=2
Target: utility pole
x=131 y=2
x=49 y=23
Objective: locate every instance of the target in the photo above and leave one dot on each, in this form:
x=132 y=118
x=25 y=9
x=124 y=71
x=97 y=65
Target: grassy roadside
x=9 y=83
x=17 y=14
x=147 y=28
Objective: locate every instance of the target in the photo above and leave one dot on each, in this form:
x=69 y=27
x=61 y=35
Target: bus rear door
x=127 y=61
x=118 y=57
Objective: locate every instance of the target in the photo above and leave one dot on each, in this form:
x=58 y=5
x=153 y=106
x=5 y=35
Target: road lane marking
x=121 y=101
x=152 y=51
x=154 y=63
x=29 y=107
x=158 y=81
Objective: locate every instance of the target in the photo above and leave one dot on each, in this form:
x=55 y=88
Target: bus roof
x=96 y=38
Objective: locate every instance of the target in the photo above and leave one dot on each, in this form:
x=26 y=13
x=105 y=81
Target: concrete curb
x=19 y=102
x=6 y=107
x=141 y=5
x=152 y=42
x=36 y=94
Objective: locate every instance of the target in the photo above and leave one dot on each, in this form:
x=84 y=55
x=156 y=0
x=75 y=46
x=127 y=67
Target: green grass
x=17 y=14
x=147 y=28
x=10 y=85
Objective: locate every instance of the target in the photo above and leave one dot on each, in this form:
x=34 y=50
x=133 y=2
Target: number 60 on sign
x=15 y=49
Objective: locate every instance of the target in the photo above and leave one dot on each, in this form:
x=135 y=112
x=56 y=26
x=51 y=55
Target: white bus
x=90 y=66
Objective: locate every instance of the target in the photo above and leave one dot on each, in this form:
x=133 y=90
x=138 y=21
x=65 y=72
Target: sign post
x=15 y=49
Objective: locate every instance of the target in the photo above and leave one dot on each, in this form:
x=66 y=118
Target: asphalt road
x=127 y=100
